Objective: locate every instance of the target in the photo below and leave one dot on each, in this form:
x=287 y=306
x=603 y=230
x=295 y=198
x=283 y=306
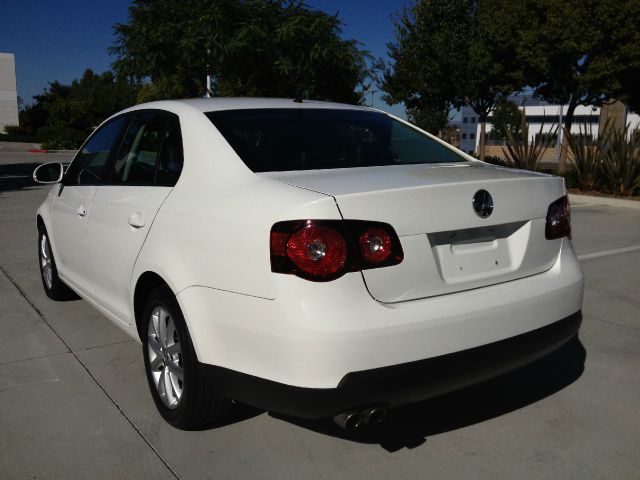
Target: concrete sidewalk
x=56 y=419
x=579 y=199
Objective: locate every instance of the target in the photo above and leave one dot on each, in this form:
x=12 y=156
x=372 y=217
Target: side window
x=88 y=166
x=135 y=162
x=171 y=156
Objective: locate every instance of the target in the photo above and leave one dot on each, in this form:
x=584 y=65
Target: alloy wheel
x=165 y=357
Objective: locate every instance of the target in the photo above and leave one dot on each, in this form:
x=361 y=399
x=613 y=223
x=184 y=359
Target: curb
x=577 y=199
x=40 y=150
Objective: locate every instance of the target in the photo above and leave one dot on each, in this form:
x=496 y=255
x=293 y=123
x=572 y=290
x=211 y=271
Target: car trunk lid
x=448 y=247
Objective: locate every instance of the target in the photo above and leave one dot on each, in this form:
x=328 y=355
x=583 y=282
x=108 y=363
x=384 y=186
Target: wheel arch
x=147 y=282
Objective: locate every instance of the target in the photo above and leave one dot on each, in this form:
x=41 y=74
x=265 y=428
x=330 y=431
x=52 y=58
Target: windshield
x=271 y=140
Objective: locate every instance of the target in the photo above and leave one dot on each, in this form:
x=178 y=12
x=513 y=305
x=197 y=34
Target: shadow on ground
x=17 y=176
x=410 y=426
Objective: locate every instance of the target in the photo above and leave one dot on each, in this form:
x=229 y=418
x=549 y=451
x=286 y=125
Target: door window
x=135 y=162
x=88 y=166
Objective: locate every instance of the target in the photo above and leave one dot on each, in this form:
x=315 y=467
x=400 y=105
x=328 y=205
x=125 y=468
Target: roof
x=231 y=103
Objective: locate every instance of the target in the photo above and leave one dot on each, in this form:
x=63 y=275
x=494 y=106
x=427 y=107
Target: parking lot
x=74 y=401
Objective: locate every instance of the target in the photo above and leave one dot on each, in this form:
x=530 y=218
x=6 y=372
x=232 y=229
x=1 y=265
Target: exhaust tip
x=374 y=416
x=350 y=420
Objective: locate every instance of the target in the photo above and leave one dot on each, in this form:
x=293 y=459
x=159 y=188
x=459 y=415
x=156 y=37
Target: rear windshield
x=271 y=140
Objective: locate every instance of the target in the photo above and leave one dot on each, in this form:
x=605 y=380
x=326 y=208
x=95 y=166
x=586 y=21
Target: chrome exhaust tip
x=349 y=420
x=374 y=416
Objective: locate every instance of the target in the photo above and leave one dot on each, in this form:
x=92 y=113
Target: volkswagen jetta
x=309 y=258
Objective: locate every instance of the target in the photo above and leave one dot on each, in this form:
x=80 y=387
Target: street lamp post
x=208 y=92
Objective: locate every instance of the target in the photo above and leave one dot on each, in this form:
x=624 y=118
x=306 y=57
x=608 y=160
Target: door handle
x=136 y=220
x=81 y=211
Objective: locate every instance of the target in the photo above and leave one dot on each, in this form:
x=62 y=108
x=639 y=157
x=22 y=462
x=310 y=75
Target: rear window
x=269 y=140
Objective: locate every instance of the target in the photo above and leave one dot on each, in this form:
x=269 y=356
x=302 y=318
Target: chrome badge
x=482 y=203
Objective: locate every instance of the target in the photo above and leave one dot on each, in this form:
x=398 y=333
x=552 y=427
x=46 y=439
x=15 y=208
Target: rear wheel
x=184 y=395
x=53 y=286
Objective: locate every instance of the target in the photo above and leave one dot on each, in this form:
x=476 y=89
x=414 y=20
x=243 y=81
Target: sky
x=58 y=40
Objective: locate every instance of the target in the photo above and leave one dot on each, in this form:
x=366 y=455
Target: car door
x=71 y=208
x=141 y=175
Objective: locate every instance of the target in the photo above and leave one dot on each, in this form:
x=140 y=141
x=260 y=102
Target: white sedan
x=310 y=258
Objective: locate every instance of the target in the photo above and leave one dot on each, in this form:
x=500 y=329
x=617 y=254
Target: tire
x=55 y=288
x=184 y=395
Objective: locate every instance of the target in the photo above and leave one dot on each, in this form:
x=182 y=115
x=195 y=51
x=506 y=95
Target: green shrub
x=24 y=138
x=621 y=162
x=586 y=155
x=570 y=177
x=14 y=130
x=54 y=138
x=494 y=160
x=524 y=155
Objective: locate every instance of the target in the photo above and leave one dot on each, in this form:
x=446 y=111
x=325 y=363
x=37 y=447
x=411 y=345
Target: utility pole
x=208 y=92
x=559 y=135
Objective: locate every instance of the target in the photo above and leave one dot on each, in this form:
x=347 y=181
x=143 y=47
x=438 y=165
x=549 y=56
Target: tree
x=427 y=58
x=506 y=118
x=434 y=120
x=85 y=103
x=31 y=118
x=491 y=70
x=278 y=48
x=454 y=52
x=581 y=52
x=64 y=114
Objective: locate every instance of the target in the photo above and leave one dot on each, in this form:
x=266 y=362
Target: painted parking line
x=606 y=253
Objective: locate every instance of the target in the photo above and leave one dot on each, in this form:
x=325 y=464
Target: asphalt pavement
x=74 y=402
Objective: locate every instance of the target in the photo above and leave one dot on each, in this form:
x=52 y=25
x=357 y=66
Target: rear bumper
x=398 y=384
x=314 y=334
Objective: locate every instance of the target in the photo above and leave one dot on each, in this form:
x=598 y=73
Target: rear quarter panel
x=213 y=229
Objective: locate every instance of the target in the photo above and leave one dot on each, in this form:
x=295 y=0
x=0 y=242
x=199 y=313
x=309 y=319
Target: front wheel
x=181 y=390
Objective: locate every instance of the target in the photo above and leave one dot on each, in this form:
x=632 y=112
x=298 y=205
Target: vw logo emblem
x=482 y=203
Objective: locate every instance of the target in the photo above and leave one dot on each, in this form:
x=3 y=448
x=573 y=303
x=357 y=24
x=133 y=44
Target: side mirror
x=48 y=173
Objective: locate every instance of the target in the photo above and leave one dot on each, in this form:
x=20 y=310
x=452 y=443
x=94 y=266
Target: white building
x=8 y=92
x=469 y=130
x=541 y=118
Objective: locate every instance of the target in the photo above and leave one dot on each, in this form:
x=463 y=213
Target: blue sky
x=58 y=40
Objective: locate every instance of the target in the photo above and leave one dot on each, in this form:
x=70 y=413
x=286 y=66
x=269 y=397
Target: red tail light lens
x=317 y=250
x=558 y=219
x=323 y=250
x=375 y=245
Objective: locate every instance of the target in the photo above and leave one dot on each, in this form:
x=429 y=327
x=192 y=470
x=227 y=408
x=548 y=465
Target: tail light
x=558 y=219
x=323 y=250
x=375 y=245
